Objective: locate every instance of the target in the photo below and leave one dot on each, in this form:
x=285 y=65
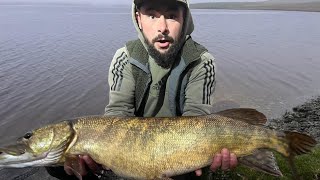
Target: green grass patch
x=308 y=167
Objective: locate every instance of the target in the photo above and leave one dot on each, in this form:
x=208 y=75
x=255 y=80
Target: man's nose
x=162 y=25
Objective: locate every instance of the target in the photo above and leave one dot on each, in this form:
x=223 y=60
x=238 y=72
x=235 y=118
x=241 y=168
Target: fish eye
x=28 y=135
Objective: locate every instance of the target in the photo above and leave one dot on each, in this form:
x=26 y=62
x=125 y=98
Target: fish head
x=41 y=147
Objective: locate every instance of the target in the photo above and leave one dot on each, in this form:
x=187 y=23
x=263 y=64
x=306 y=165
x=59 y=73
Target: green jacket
x=140 y=87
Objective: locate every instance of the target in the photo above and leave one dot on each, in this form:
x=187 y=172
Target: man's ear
x=138 y=20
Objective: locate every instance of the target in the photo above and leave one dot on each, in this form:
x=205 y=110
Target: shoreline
x=305 y=7
x=304 y=118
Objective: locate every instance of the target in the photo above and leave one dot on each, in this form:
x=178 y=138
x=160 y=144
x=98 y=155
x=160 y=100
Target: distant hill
x=293 y=1
x=284 y=5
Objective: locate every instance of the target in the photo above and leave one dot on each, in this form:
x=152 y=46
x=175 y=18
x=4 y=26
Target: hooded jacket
x=140 y=87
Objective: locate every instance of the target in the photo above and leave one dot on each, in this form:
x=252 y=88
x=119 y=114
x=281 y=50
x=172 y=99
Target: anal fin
x=262 y=160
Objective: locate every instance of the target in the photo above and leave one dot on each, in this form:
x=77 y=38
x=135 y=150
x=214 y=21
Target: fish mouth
x=18 y=161
x=15 y=156
x=14 y=150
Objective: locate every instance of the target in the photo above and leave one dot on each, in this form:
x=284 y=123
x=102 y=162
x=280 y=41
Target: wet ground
x=303 y=118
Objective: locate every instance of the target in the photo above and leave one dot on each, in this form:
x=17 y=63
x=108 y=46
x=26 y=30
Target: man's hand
x=79 y=168
x=224 y=159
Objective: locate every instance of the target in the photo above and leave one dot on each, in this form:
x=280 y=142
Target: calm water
x=54 y=60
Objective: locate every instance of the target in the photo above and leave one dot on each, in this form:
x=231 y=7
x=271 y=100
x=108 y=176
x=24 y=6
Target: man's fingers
x=198 y=172
x=233 y=161
x=92 y=165
x=216 y=162
x=225 y=164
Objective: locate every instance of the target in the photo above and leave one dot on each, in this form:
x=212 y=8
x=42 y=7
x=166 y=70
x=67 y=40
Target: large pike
x=156 y=148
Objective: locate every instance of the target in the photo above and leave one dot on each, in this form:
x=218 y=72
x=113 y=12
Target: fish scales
x=166 y=146
x=150 y=148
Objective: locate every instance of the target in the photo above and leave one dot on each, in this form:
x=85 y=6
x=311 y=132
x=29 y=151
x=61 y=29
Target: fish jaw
x=19 y=158
x=19 y=161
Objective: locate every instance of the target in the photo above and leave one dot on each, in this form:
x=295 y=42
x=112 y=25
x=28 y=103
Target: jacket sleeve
x=121 y=86
x=200 y=88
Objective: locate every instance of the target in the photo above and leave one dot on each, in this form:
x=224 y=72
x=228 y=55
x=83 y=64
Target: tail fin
x=299 y=143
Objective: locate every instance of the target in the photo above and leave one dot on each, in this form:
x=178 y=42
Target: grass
x=308 y=167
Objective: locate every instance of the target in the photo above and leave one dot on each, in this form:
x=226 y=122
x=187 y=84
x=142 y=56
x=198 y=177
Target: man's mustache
x=162 y=37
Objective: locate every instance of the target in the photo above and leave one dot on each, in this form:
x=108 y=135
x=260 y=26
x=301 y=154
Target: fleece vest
x=189 y=56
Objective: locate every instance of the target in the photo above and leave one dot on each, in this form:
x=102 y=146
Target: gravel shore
x=304 y=118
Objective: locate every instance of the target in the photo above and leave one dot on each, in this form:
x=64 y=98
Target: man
x=164 y=73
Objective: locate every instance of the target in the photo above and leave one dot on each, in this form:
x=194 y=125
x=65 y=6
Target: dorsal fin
x=247 y=115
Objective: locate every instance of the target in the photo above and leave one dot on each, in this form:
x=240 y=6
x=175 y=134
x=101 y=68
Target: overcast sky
x=113 y=1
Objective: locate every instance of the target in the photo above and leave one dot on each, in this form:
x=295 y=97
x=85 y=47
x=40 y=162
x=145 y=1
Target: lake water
x=54 y=60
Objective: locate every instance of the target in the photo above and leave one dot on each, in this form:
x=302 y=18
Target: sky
x=116 y=1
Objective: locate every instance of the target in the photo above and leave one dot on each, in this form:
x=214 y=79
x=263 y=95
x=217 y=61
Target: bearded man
x=164 y=73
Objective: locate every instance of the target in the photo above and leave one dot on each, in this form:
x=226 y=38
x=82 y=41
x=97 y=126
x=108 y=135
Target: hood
x=188 y=22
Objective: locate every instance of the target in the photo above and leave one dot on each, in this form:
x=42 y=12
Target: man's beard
x=166 y=59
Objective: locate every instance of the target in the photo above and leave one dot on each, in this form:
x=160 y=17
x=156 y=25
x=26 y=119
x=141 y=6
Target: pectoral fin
x=76 y=165
x=262 y=160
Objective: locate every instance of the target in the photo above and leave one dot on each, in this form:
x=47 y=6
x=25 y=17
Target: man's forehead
x=163 y=1
x=161 y=4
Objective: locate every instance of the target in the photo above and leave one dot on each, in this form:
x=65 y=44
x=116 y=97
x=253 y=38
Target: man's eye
x=151 y=17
